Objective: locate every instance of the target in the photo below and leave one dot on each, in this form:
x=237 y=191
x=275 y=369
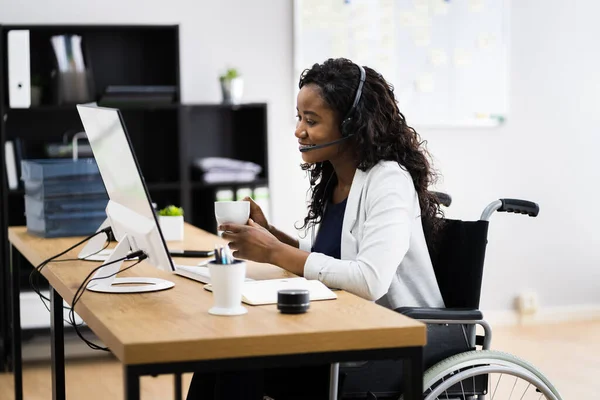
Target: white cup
x=232 y=212
x=227 y=281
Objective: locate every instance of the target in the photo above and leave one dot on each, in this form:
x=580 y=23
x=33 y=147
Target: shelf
x=164 y=186
x=203 y=185
x=72 y=107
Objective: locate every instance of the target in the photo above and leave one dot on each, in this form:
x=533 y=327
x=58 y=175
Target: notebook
x=258 y=293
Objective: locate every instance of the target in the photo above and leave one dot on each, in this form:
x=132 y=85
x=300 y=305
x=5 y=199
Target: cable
x=34 y=279
x=81 y=290
x=34 y=282
x=42 y=297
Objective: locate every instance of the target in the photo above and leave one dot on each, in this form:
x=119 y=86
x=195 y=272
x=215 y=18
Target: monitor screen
x=116 y=161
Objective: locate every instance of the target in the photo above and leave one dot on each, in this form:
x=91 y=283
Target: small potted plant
x=232 y=86
x=171 y=223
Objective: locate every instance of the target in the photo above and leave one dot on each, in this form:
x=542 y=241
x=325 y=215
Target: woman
x=369 y=178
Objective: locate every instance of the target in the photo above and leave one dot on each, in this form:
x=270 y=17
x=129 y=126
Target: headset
x=348 y=118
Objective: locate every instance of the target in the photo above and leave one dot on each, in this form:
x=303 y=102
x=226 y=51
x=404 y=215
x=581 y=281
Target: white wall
x=546 y=152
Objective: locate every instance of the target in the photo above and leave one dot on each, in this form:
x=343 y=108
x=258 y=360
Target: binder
x=11 y=165
x=19 y=74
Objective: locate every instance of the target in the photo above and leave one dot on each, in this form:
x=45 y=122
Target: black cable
x=36 y=289
x=37 y=271
x=81 y=290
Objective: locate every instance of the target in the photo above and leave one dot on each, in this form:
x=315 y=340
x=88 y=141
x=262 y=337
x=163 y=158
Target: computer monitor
x=129 y=211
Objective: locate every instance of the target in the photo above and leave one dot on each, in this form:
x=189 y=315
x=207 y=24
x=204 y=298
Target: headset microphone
x=320 y=146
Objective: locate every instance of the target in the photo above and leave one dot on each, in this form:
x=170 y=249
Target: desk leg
x=334 y=373
x=57 y=346
x=177 y=383
x=131 y=380
x=17 y=360
x=413 y=374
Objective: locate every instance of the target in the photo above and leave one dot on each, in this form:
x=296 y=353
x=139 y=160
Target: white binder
x=19 y=73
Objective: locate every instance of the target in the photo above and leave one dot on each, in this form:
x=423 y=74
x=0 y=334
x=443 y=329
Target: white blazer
x=384 y=255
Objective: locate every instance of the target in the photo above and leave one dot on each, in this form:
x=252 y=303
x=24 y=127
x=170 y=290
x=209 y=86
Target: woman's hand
x=251 y=242
x=256 y=214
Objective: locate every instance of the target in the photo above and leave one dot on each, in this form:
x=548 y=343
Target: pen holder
x=73 y=87
x=227 y=281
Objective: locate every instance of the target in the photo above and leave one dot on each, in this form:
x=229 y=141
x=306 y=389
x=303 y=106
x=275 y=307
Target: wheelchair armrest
x=430 y=313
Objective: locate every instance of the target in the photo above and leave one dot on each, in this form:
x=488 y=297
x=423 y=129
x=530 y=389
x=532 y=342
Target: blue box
x=61 y=205
x=63 y=197
x=62 y=177
x=64 y=225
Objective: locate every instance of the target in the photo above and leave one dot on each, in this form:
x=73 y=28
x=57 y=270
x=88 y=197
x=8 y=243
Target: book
x=258 y=293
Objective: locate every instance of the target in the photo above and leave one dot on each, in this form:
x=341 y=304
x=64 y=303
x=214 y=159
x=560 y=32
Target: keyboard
x=198 y=273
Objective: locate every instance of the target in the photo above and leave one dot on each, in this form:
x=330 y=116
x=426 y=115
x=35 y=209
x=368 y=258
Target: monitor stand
x=92 y=251
x=111 y=284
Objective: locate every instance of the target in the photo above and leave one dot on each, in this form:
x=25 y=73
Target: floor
x=568 y=353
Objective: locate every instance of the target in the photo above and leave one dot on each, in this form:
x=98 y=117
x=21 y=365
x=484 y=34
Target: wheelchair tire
x=482 y=358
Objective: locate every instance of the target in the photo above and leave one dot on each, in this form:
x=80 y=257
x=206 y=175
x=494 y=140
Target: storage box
x=66 y=224
x=63 y=197
x=55 y=178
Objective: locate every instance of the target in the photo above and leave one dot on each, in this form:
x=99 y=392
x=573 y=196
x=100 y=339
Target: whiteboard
x=446 y=59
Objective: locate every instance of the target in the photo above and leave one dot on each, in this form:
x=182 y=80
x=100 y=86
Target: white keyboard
x=200 y=274
x=197 y=273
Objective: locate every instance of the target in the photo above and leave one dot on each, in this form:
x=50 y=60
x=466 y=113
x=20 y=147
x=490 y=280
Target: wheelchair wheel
x=486 y=375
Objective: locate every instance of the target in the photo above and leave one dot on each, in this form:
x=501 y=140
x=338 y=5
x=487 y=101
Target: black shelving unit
x=166 y=137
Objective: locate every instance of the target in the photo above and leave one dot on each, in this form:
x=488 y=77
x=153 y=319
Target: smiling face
x=317 y=124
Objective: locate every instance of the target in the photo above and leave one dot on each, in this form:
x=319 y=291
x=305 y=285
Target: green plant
x=171 y=211
x=230 y=74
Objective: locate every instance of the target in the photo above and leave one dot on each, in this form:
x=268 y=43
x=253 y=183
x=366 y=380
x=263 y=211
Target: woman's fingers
x=231 y=228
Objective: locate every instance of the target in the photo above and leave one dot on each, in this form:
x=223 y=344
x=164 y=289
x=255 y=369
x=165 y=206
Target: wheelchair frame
x=472 y=318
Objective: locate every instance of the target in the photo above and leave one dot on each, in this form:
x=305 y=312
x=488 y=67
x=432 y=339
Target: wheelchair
x=455 y=368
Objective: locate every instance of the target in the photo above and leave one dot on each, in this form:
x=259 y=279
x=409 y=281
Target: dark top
x=329 y=237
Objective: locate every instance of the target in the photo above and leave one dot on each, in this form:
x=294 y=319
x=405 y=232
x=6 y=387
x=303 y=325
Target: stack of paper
x=219 y=169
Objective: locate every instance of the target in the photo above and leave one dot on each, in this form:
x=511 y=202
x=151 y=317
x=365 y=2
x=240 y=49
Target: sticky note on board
x=462 y=58
x=485 y=41
x=422 y=37
x=476 y=5
x=440 y=7
x=425 y=83
x=407 y=19
x=438 y=57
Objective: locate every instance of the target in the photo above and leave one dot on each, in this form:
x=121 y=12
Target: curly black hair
x=380 y=133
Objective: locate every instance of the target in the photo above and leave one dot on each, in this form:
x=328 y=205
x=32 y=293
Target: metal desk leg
x=413 y=374
x=17 y=360
x=57 y=346
x=177 y=383
x=334 y=373
x=131 y=380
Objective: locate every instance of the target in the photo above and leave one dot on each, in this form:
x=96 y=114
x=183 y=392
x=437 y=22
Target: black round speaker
x=293 y=301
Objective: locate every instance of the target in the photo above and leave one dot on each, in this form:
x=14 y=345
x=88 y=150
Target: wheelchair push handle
x=519 y=207
x=516 y=206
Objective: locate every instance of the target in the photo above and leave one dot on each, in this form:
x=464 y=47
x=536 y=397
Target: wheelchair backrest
x=457 y=254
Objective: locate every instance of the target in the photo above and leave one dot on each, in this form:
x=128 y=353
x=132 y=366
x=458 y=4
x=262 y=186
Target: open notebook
x=265 y=292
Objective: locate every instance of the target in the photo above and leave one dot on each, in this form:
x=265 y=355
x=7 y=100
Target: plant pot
x=172 y=227
x=232 y=90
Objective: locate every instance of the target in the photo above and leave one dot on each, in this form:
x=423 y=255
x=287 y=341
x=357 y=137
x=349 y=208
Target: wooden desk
x=172 y=332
